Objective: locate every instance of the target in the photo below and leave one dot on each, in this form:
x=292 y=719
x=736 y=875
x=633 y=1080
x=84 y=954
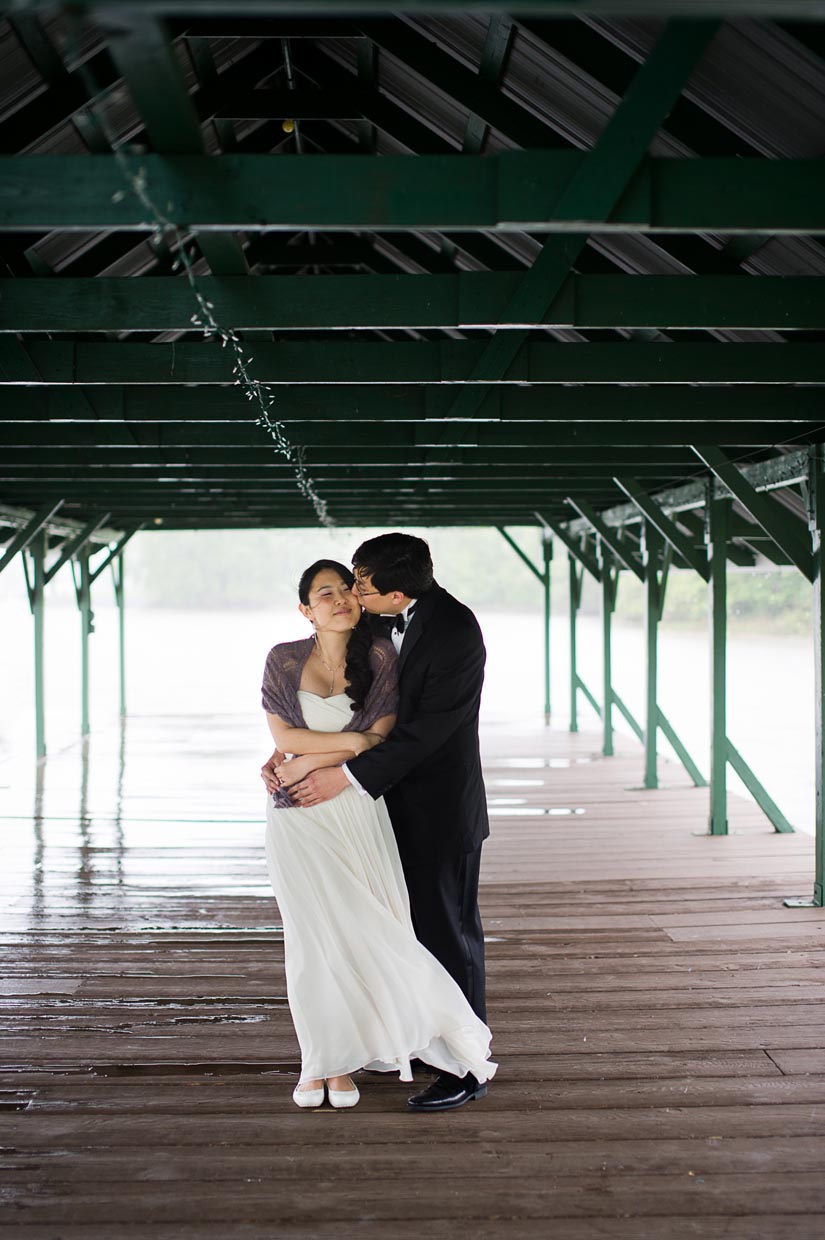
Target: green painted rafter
x=512 y=191
x=609 y=537
x=668 y=529
x=433 y=435
x=595 y=189
x=589 y=408
x=468 y=300
x=285 y=362
x=144 y=56
x=787 y=531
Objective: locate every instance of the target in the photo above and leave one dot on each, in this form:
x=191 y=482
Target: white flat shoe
x=308 y=1097
x=343 y=1097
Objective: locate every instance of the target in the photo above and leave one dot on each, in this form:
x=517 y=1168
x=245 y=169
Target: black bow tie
x=400 y=623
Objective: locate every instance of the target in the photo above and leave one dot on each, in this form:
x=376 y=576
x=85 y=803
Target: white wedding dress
x=363 y=992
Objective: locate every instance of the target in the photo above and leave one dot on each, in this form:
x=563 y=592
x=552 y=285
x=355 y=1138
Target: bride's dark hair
x=357 y=668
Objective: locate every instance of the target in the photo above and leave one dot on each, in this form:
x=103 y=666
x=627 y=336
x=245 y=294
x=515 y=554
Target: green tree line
x=260 y=569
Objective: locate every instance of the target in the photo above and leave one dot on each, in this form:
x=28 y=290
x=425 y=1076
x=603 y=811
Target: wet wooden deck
x=658 y=1015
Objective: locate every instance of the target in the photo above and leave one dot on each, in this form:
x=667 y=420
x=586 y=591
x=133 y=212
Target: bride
x=363 y=992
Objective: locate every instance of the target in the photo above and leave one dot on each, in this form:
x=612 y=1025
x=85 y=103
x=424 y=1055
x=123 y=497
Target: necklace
x=332 y=670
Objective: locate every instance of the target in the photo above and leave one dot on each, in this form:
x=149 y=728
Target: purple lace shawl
x=282 y=678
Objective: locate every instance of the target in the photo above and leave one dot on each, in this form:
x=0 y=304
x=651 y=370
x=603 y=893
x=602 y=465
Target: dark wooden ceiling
x=484 y=264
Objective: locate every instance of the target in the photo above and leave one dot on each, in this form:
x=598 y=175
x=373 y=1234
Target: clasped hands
x=306 y=781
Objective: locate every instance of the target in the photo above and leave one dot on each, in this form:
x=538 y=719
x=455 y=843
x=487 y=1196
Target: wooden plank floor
x=659 y=1016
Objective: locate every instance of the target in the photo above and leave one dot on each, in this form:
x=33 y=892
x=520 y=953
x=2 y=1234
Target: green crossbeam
x=433 y=435
x=468 y=300
x=786 y=530
x=593 y=192
x=145 y=58
x=514 y=191
x=586 y=406
x=803 y=9
x=382 y=362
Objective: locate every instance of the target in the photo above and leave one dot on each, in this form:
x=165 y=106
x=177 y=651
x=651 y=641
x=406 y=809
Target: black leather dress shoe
x=446 y=1093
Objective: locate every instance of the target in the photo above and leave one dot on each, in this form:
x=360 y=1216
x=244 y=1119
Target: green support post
x=610 y=582
x=816 y=493
x=576 y=578
x=547 y=553
x=542 y=575
x=817 y=490
x=38 y=605
x=653 y=550
x=117 y=577
x=719 y=515
x=83 y=589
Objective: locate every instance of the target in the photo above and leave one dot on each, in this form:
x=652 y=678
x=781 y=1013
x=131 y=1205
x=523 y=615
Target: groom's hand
x=322 y=785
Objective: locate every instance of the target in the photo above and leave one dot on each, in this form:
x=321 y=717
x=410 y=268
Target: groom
x=428 y=770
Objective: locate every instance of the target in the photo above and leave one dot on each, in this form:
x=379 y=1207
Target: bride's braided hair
x=357 y=668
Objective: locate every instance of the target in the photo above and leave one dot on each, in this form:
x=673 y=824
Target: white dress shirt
x=397 y=641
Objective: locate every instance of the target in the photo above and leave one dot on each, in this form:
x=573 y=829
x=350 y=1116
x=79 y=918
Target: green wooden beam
x=399 y=403
x=801 y=9
x=468 y=300
x=467 y=482
x=609 y=537
x=458 y=479
x=432 y=435
x=29 y=532
x=146 y=60
x=575 y=549
x=73 y=545
x=474 y=92
x=508 y=461
x=668 y=529
x=112 y=555
x=416 y=135
x=593 y=192
x=497 y=44
x=286 y=362
x=786 y=530
x=522 y=555
x=513 y=191
x=115 y=491
x=150 y=514
x=758 y=791
x=61 y=84
x=788 y=469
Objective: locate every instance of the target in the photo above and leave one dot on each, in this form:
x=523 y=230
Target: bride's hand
x=293 y=770
x=269 y=770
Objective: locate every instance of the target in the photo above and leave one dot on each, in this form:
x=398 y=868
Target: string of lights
x=205 y=321
x=167 y=232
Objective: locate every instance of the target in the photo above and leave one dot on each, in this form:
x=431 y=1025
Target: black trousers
x=444 y=906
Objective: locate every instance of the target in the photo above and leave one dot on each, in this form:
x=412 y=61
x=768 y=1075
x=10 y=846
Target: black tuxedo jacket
x=429 y=768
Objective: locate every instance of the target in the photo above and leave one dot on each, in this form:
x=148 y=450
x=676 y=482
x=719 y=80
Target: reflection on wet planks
x=658 y=1014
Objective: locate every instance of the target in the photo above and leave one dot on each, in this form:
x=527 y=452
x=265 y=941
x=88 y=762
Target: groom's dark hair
x=396 y=562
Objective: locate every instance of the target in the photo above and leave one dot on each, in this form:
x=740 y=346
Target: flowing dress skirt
x=363 y=992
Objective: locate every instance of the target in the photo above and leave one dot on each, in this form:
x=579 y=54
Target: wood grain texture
x=657 y=1013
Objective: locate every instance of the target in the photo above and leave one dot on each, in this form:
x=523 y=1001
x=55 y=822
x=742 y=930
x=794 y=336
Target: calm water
x=190 y=662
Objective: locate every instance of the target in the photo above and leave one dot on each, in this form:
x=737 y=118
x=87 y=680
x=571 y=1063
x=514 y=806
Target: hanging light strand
x=166 y=231
x=261 y=395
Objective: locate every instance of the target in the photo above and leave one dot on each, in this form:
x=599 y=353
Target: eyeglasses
x=357 y=587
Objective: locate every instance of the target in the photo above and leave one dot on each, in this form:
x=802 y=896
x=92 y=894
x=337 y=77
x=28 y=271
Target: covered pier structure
x=270 y=265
